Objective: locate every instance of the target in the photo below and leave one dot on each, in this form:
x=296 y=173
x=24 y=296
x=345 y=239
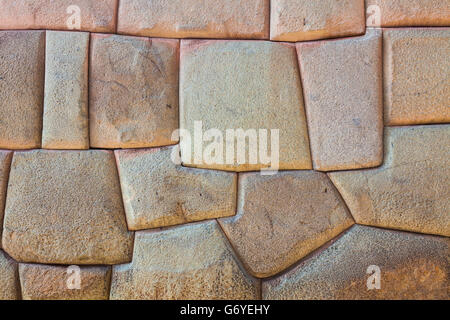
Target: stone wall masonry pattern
x=142 y=227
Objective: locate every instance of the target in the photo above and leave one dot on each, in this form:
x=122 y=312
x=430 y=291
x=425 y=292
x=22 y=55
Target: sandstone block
x=302 y=20
x=195 y=19
x=282 y=218
x=342 y=82
x=45 y=282
x=86 y=15
x=5 y=162
x=189 y=262
x=66 y=124
x=22 y=59
x=248 y=85
x=416 y=75
x=410 y=266
x=410 y=190
x=9 y=278
x=158 y=193
x=133 y=93
x=65 y=207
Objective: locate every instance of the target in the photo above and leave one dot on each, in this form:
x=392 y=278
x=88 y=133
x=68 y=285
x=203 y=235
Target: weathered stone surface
x=9 y=278
x=158 y=193
x=133 y=97
x=188 y=262
x=66 y=124
x=301 y=20
x=342 y=82
x=5 y=161
x=94 y=15
x=247 y=85
x=281 y=218
x=411 y=267
x=410 y=13
x=65 y=207
x=45 y=282
x=416 y=75
x=195 y=19
x=410 y=191
x=22 y=59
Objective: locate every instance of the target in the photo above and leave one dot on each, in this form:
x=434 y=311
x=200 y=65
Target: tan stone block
x=416 y=75
x=411 y=13
x=342 y=81
x=9 y=278
x=133 y=97
x=190 y=262
x=22 y=59
x=410 y=191
x=159 y=193
x=302 y=20
x=282 y=218
x=46 y=282
x=5 y=162
x=247 y=85
x=94 y=15
x=65 y=207
x=66 y=124
x=411 y=267
x=235 y=19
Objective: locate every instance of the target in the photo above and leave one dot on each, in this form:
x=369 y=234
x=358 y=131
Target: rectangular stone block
x=416 y=76
x=235 y=19
x=9 y=278
x=65 y=123
x=342 y=81
x=133 y=91
x=85 y=15
x=5 y=162
x=302 y=20
x=22 y=60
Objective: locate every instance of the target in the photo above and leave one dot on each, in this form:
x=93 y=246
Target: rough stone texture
x=133 y=97
x=412 y=267
x=410 y=191
x=95 y=15
x=158 y=193
x=302 y=20
x=416 y=75
x=410 y=13
x=281 y=218
x=65 y=207
x=44 y=282
x=22 y=58
x=5 y=161
x=195 y=19
x=9 y=278
x=189 y=262
x=66 y=124
x=247 y=85
x=342 y=82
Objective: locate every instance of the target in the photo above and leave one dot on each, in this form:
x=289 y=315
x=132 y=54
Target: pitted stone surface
x=9 y=278
x=416 y=75
x=411 y=13
x=5 y=162
x=342 y=82
x=195 y=19
x=133 y=95
x=66 y=124
x=45 y=282
x=411 y=267
x=22 y=59
x=188 y=262
x=247 y=85
x=410 y=190
x=159 y=193
x=282 y=218
x=92 y=15
x=65 y=207
x=302 y=20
